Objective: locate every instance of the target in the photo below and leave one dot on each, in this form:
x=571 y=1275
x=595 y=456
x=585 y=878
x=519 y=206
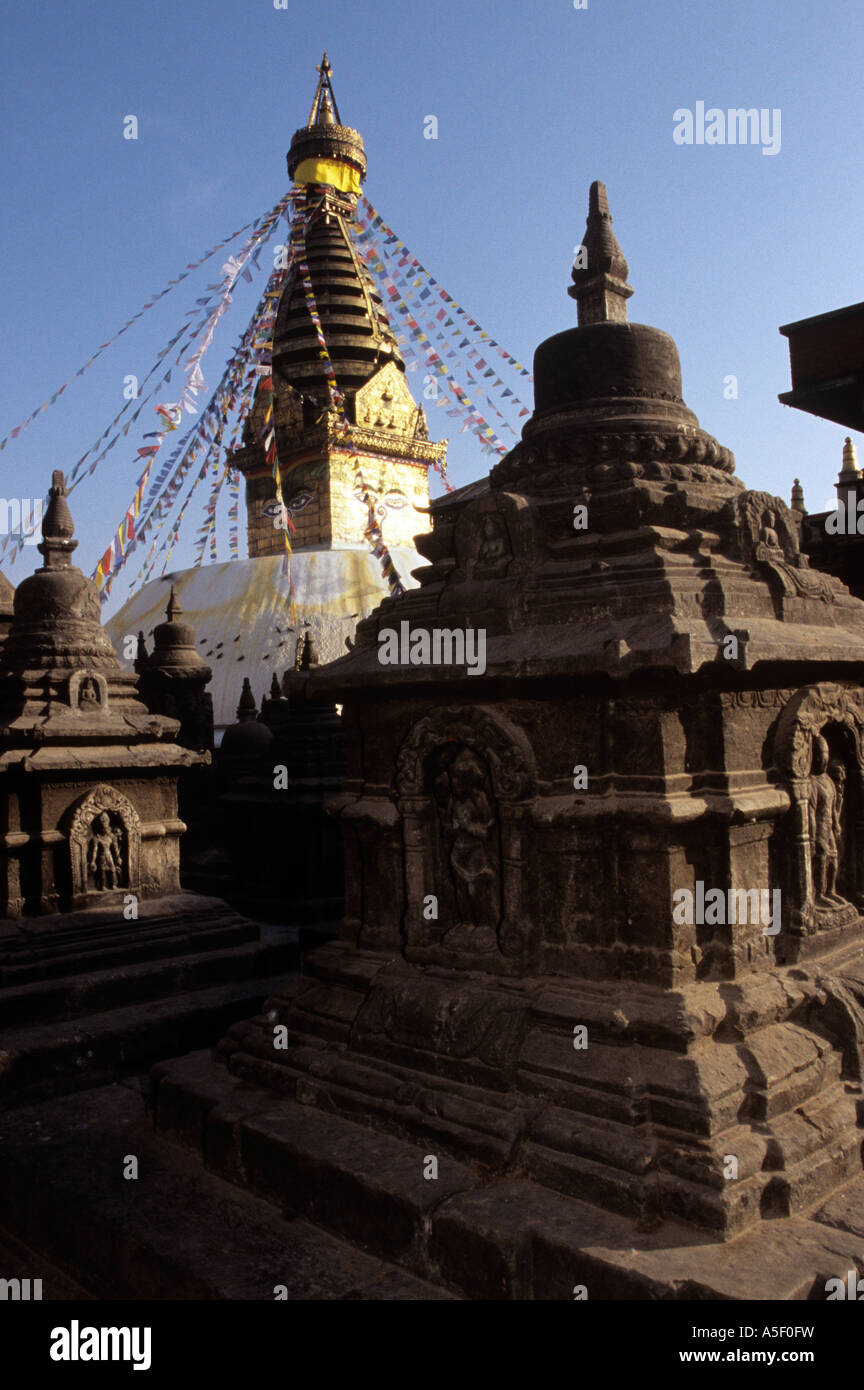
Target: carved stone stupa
x=92 y=917
x=603 y=952
x=70 y=719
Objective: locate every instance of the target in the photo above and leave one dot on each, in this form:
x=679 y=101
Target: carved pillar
x=516 y=931
x=803 y=884
x=419 y=876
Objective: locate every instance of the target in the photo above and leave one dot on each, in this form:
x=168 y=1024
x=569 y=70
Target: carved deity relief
x=825 y=825
x=468 y=833
x=494 y=554
x=385 y=402
x=766 y=535
x=104 y=843
x=106 y=857
x=88 y=693
x=820 y=749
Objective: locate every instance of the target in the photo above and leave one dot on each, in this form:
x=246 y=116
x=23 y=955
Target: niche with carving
x=466 y=780
x=104 y=832
x=818 y=748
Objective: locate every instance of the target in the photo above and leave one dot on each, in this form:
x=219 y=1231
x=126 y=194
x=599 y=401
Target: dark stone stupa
x=602 y=958
x=93 y=920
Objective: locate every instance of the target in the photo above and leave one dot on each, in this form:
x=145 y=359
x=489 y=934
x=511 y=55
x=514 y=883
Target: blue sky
x=533 y=101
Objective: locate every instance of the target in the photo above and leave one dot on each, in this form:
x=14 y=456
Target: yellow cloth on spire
x=330 y=171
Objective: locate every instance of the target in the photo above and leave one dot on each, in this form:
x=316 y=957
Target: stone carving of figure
x=768 y=536
x=826 y=801
x=469 y=822
x=494 y=552
x=104 y=853
x=88 y=693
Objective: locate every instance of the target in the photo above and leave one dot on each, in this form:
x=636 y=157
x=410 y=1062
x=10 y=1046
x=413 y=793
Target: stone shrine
x=92 y=916
x=834 y=541
x=340 y=473
x=602 y=958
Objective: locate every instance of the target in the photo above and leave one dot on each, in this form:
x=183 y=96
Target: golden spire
x=324 y=109
x=850 y=461
x=325 y=138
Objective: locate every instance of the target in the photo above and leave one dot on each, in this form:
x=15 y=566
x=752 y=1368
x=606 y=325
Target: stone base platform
x=85 y=997
x=510 y=1239
x=74 y=1220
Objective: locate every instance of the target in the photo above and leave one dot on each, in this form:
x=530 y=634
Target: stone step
x=171 y=1233
x=69 y=997
x=35 y=949
x=18 y=1261
x=44 y=1058
x=500 y=1239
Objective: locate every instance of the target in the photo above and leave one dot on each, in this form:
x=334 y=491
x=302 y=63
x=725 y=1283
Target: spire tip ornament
x=600 y=274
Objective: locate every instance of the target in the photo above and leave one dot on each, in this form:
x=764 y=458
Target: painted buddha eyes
x=300 y=500
x=297 y=503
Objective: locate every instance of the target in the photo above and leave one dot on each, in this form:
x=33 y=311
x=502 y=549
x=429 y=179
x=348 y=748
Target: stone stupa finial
x=247 y=708
x=173 y=610
x=797 y=499
x=850 y=470
x=600 y=272
x=57 y=526
x=142 y=656
x=307 y=657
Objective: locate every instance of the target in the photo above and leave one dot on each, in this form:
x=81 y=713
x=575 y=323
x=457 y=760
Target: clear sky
x=534 y=99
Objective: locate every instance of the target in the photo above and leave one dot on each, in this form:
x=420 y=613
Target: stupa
x=105 y=962
x=332 y=468
x=834 y=540
x=595 y=1017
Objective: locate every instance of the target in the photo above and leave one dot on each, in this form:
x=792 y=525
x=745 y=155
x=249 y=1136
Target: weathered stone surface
x=679 y=651
x=170 y=1233
x=105 y=964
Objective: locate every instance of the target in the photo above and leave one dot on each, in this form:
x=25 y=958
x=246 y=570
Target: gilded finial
x=850 y=461
x=324 y=109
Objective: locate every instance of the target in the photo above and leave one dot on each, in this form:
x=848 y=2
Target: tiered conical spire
x=850 y=472
x=600 y=274
x=328 y=159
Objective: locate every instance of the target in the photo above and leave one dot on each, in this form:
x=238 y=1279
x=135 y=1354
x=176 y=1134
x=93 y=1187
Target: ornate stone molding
x=502 y=743
x=808 y=711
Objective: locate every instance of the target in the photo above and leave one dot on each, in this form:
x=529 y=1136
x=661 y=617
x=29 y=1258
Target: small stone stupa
x=275 y=774
x=92 y=916
x=602 y=966
x=834 y=541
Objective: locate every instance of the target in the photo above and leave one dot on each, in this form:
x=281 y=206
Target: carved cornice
x=610 y=457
